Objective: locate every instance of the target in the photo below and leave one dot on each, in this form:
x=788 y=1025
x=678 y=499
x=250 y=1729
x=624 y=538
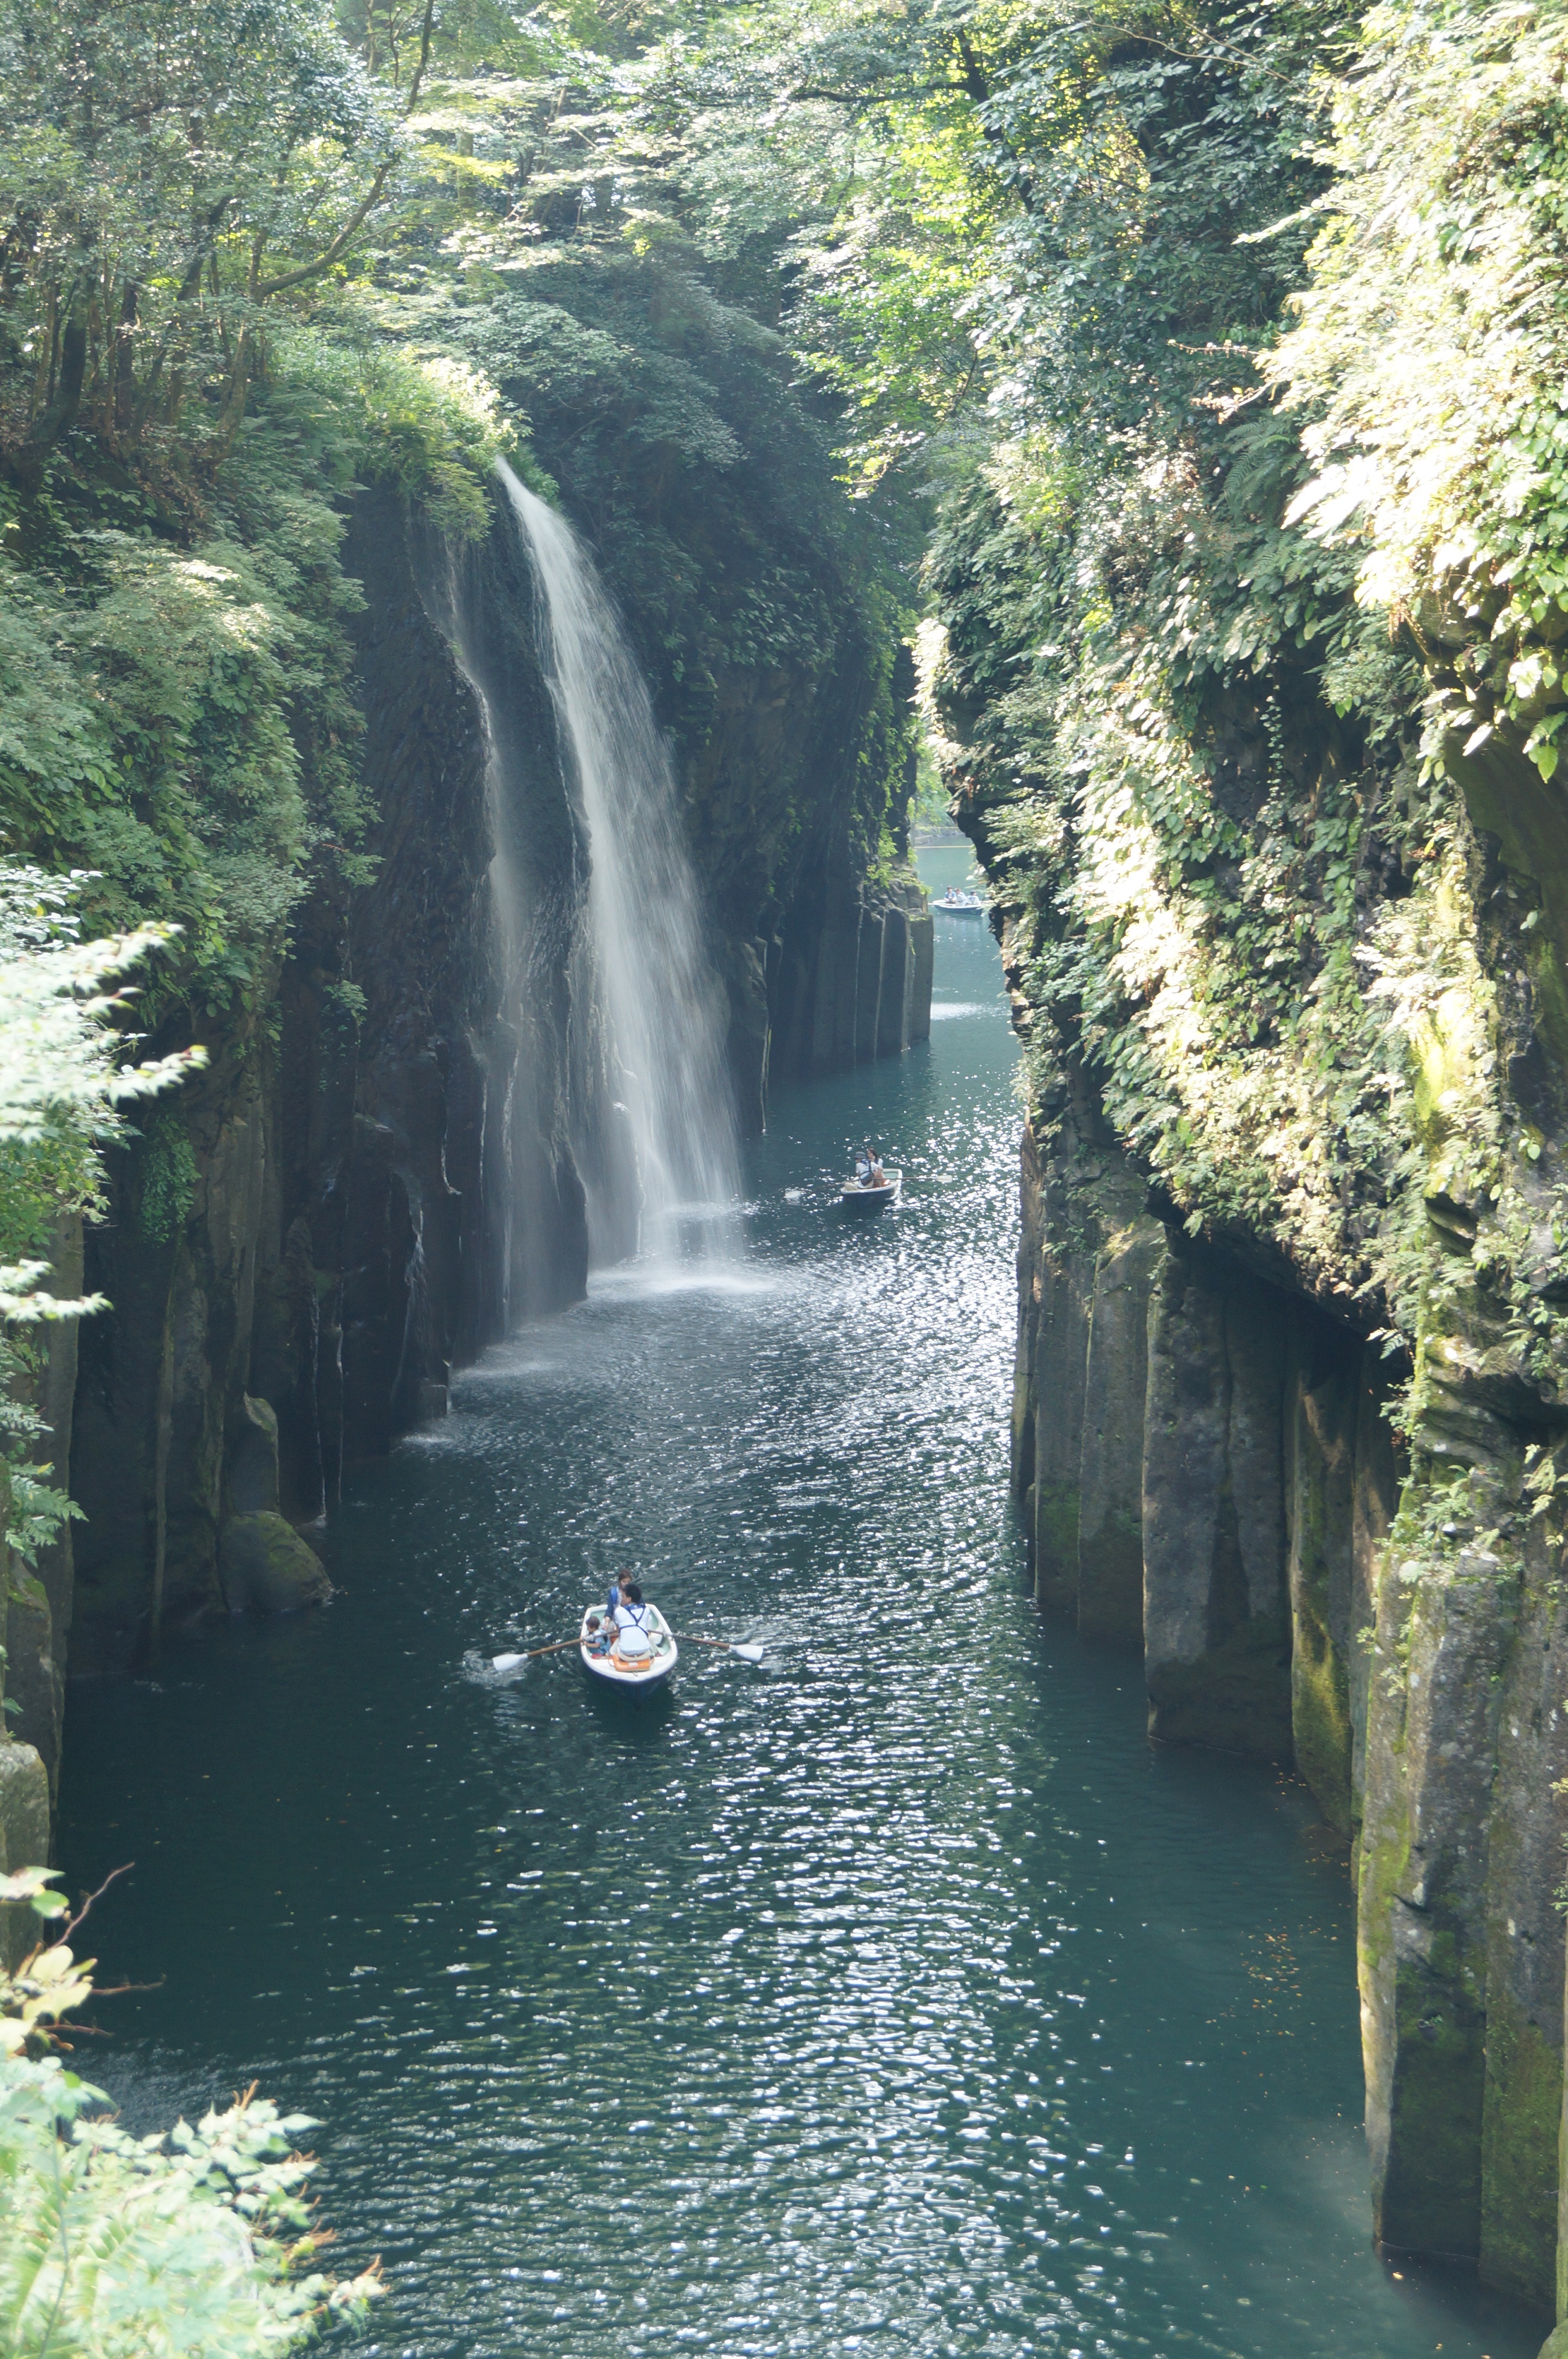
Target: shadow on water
x=893 y=1998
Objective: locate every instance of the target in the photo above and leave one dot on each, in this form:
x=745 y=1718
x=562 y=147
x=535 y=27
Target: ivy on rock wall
x=1244 y=689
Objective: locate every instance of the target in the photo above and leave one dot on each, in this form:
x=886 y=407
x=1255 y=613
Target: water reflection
x=893 y=1997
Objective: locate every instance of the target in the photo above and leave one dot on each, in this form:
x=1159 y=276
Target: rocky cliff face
x=1209 y=1476
x=1293 y=1430
x=372 y=1178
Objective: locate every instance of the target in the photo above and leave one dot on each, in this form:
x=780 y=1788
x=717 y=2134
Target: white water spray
x=662 y=1000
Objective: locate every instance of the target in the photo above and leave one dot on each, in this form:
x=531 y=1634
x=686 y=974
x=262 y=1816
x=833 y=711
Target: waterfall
x=662 y=1006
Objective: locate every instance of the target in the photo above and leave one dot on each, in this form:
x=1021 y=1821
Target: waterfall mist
x=658 y=1153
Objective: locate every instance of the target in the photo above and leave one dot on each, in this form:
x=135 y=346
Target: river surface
x=894 y=1998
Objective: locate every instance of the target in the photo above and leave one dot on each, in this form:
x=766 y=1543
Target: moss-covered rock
x=1322 y=1404
x=266 y=1568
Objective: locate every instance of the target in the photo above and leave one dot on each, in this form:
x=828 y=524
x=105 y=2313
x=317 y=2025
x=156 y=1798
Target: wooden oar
x=510 y=1662
x=747 y=1652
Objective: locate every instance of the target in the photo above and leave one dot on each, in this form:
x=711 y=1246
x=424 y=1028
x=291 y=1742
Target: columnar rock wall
x=1417 y=1682
x=849 y=979
x=363 y=1183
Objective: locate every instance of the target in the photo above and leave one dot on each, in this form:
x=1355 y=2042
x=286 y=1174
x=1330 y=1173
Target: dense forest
x=1155 y=413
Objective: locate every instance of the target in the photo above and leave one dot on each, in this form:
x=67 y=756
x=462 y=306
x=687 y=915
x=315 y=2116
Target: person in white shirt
x=631 y=1612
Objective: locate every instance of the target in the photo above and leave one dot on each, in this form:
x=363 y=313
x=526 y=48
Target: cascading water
x=662 y=1002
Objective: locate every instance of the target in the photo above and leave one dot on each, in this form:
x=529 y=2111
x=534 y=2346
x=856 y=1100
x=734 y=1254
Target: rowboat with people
x=636 y=1655
x=955 y=903
x=626 y=1643
x=861 y=1198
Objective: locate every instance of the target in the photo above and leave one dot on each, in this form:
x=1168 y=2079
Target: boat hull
x=628 y=1676
x=860 y=1203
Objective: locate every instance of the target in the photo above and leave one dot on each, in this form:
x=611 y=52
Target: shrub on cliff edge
x=194 y=2241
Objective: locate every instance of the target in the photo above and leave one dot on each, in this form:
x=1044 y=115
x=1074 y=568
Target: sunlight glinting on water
x=892 y=1998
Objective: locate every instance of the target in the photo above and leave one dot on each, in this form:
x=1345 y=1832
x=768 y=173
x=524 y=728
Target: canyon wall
x=1291 y=1407
x=1209 y=1478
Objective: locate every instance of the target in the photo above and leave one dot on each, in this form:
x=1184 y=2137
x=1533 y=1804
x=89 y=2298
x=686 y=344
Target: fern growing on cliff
x=62 y=1093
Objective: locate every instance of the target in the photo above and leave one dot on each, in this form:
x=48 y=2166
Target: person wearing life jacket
x=631 y=1613
x=863 y=1167
x=633 y=1627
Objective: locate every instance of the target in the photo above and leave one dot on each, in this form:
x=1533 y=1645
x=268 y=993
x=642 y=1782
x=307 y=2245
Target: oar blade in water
x=749 y=1654
x=506 y=1662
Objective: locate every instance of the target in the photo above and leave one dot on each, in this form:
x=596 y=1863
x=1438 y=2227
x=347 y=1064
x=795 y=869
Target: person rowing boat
x=629 y=1645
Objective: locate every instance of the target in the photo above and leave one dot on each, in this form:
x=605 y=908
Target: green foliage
x=1229 y=610
x=197 y=2240
x=1429 y=361
x=60 y=1092
x=167 y=1178
x=165 y=175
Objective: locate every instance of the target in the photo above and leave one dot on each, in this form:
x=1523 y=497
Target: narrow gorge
x=533 y=546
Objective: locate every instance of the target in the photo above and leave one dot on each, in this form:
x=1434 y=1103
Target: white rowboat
x=861 y=1201
x=633 y=1659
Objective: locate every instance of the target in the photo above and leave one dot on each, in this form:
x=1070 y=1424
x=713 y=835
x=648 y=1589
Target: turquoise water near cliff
x=893 y=1999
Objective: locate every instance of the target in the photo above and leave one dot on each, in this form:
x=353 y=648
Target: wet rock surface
x=1338 y=1571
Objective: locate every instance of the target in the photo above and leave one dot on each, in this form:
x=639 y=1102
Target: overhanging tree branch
x=356 y=219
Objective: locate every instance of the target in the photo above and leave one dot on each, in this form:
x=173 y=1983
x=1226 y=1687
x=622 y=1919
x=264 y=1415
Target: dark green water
x=893 y=1999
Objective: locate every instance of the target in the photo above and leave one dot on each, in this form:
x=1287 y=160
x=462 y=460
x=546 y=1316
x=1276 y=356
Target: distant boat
x=955 y=904
x=862 y=1201
x=629 y=1659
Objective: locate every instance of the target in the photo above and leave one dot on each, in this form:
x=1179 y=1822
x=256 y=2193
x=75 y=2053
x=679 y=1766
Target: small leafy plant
x=197 y=2240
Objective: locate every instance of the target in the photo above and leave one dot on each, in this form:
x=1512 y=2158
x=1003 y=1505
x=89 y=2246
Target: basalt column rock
x=1322 y=1400
x=1522 y=2102
x=1055 y=1282
x=24 y=1838
x=1431 y=1758
x=459 y=1205
x=1460 y=1939
x=1086 y=1256
x=1216 y=1609
x=851 y=979
x=1373 y=1505
x=1111 y=1575
x=161 y=1374
x=1059 y=1356
x=329 y=1221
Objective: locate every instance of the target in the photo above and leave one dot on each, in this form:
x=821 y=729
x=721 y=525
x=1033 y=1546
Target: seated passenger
x=631 y=1613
